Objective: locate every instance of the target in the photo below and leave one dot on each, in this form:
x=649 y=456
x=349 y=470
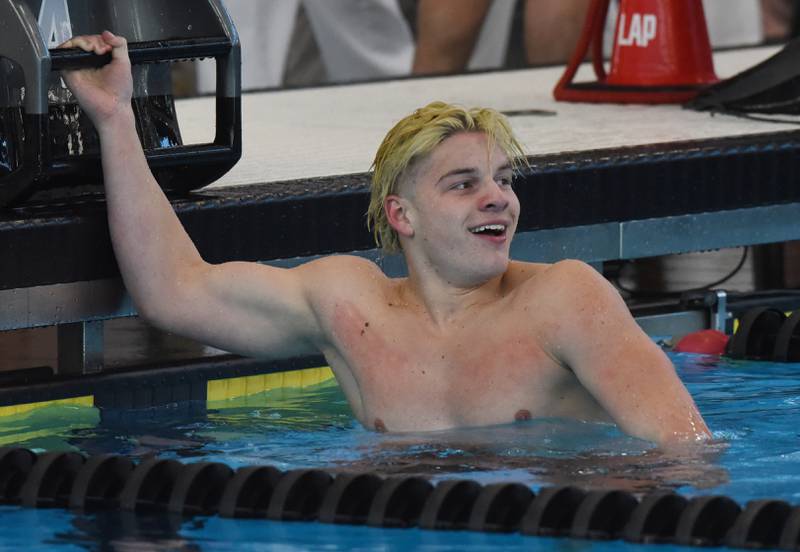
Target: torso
x=401 y=372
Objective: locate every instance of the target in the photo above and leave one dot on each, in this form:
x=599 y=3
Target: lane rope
x=114 y=482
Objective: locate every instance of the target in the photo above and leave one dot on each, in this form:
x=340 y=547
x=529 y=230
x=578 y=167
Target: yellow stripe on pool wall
x=15 y=409
x=231 y=388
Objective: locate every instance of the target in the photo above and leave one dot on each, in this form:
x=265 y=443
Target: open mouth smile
x=491 y=230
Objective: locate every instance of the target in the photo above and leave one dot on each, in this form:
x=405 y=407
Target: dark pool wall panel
x=661 y=180
x=68 y=241
x=264 y=226
x=152 y=386
x=34 y=247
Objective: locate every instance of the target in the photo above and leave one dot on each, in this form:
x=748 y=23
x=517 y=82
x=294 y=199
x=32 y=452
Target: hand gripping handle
x=156 y=51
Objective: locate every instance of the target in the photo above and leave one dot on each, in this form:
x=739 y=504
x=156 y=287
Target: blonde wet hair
x=415 y=137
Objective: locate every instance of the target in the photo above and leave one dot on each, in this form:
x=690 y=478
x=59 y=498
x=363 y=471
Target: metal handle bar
x=143 y=52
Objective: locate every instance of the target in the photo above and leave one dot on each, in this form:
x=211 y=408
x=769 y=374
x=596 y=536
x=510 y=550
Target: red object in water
x=706 y=342
x=661 y=54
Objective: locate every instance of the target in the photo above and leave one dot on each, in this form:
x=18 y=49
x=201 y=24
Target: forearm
x=637 y=384
x=153 y=251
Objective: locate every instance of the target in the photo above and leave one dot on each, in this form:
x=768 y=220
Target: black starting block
x=47 y=142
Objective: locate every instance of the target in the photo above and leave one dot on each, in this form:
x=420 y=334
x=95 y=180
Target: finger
x=93 y=43
x=118 y=44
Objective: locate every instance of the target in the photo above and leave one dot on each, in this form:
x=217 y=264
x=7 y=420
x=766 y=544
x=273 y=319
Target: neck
x=448 y=301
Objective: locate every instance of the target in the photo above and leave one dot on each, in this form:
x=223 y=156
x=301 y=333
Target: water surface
x=752 y=408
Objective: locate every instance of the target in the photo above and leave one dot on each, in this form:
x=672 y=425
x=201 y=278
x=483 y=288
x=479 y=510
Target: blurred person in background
x=449 y=30
x=353 y=39
x=781 y=19
x=310 y=42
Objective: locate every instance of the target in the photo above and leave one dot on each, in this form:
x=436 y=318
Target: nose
x=494 y=198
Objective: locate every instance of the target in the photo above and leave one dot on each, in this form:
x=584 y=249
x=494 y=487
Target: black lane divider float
x=112 y=482
x=766 y=334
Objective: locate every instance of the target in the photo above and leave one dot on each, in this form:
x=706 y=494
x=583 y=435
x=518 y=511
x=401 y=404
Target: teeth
x=488 y=228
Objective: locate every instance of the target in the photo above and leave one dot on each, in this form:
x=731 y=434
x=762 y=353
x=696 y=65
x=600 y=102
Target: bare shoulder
x=573 y=276
x=350 y=264
x=342 y=271
x=569 y=288
x=563 y=277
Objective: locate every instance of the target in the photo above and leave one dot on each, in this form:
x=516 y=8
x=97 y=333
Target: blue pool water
x=752 y=408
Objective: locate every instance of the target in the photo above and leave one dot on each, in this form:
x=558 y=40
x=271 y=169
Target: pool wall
x=218 y=378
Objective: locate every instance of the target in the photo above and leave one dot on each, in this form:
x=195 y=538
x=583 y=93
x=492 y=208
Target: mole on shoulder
x=522 y=415
x=380 y=427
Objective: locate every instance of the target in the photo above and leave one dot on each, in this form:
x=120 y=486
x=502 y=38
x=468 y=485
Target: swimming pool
x=751 y=408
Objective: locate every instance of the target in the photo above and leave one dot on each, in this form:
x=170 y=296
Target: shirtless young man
x=469 y=338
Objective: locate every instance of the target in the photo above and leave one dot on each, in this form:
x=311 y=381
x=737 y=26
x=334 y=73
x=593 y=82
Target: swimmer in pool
x=469 y=338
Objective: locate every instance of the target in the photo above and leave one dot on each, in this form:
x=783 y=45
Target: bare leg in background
x=447 y=31
x=552 y=29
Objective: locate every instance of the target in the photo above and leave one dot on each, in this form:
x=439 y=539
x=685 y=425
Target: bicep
x=245 y=308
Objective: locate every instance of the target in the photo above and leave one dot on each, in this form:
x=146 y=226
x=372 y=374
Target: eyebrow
x=470 y=171
x=466 y=171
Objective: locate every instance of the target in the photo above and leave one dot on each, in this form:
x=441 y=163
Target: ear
x=397 y=213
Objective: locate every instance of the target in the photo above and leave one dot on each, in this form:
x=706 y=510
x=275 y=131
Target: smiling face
x=456 y=212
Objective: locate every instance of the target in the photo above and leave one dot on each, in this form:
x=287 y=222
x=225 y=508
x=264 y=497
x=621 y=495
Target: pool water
x=752 y=409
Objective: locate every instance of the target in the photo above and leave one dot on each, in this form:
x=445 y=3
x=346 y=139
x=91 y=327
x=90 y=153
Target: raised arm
x=241 y=307
x=628 y=374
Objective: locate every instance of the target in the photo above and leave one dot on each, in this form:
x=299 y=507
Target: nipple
x=522 y=415
x=380 y=427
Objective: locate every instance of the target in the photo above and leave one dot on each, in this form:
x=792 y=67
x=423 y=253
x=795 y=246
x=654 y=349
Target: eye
x=505 y=181
x=464 y=185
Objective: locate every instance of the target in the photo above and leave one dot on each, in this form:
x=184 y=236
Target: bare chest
x=483 y=372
